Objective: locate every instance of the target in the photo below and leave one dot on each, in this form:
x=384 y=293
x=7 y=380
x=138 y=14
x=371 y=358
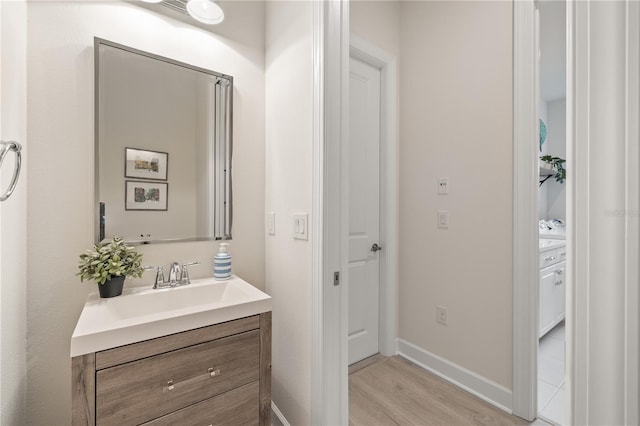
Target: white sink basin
x=142 y=314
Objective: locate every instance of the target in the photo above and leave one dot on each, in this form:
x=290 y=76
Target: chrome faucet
x=177 y=275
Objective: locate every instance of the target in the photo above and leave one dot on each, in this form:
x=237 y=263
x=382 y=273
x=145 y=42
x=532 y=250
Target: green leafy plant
x=557 y=164
x=108 y=260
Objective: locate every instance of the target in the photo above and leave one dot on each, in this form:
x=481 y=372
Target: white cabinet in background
x=560 y=293
x=547 y=302
x=552 y=288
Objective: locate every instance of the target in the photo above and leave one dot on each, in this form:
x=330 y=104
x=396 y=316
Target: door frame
x=329 y=242
x=387 y=65
x=525 y=212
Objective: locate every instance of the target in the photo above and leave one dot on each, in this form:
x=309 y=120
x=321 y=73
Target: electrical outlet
x=443 y=185
x=441 y=315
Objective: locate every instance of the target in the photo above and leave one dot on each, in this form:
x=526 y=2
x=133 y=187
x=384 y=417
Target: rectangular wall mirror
x=163 y=148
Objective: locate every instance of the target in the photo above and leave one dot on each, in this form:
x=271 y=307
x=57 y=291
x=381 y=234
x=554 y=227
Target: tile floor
x=551 y=376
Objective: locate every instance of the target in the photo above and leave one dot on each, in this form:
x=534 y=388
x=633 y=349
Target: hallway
x=393 y=391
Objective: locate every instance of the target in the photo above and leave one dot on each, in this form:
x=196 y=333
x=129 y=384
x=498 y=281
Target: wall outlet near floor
x=441 y=315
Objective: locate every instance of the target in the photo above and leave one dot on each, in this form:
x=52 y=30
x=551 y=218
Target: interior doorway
x=551 y=36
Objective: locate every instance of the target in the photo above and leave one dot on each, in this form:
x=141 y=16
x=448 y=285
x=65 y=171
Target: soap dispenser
x=222 y=263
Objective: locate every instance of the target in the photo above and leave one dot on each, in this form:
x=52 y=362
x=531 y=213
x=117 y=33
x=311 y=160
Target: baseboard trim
x=491 y=392
x=279 y=416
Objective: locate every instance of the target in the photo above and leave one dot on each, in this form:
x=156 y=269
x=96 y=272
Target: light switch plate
x=300 y=226
x=271 y=223
x=443 y=219
x=443 y=185
x=441 y=315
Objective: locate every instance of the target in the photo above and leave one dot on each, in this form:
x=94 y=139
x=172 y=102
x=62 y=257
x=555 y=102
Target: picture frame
x=146 y=196
x=145 y=164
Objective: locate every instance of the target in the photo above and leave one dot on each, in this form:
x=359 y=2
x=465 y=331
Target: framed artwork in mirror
x=141 y=195
x=145 y=164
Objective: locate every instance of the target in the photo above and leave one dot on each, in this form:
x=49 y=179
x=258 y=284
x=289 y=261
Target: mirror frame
x=223 y=210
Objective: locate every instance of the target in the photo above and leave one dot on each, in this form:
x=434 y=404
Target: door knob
x=375 y=247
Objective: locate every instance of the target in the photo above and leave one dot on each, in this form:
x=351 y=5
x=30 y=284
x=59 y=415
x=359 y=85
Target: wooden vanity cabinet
x=219 y=374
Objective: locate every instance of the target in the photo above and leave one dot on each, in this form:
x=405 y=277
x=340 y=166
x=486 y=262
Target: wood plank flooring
x=393 y=391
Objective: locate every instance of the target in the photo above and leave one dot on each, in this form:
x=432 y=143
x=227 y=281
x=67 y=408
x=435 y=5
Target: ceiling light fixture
x=152 y=1
x=205 y=11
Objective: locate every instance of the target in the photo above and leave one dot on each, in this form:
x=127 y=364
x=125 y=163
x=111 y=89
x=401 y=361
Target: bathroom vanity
x=216 y=373
x=552 y=289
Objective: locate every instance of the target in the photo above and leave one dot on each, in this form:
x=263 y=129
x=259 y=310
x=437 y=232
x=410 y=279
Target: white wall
x=542 y=190
x=13 y=213
x=553 y=52
x=289 y=89
x=456 y=121
x=61 y=173
x=556 y=146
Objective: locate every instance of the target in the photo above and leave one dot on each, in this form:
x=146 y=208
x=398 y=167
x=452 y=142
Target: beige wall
x=455 y=115
x=289 y=88
x=377 y=22
x=60 y=192
x=456 y=121
x=13 y=216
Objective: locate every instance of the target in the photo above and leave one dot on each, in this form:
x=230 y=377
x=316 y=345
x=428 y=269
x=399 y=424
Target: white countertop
x=144 y=313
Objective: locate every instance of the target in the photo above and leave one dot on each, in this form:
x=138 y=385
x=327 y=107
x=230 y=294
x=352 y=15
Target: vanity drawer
x=123 y=354
x=233 y=408
x=149 y=388
x=549 y=257
x=562 y=254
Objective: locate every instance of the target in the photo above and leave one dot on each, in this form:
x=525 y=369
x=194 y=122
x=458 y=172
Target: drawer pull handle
x=559 y=271
x=563 y=253
x=171 y=385
x=559 y=282
x=550 y=258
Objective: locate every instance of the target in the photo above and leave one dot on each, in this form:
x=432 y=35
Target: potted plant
x=108 y=264
x=555 y=164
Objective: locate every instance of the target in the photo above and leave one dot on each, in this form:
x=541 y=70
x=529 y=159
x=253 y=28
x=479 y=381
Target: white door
x=364 y=208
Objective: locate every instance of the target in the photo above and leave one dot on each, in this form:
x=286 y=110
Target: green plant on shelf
x=556 y=164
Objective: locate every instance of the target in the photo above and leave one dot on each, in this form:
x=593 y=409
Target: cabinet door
x=548 y=278
x=560 y=291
